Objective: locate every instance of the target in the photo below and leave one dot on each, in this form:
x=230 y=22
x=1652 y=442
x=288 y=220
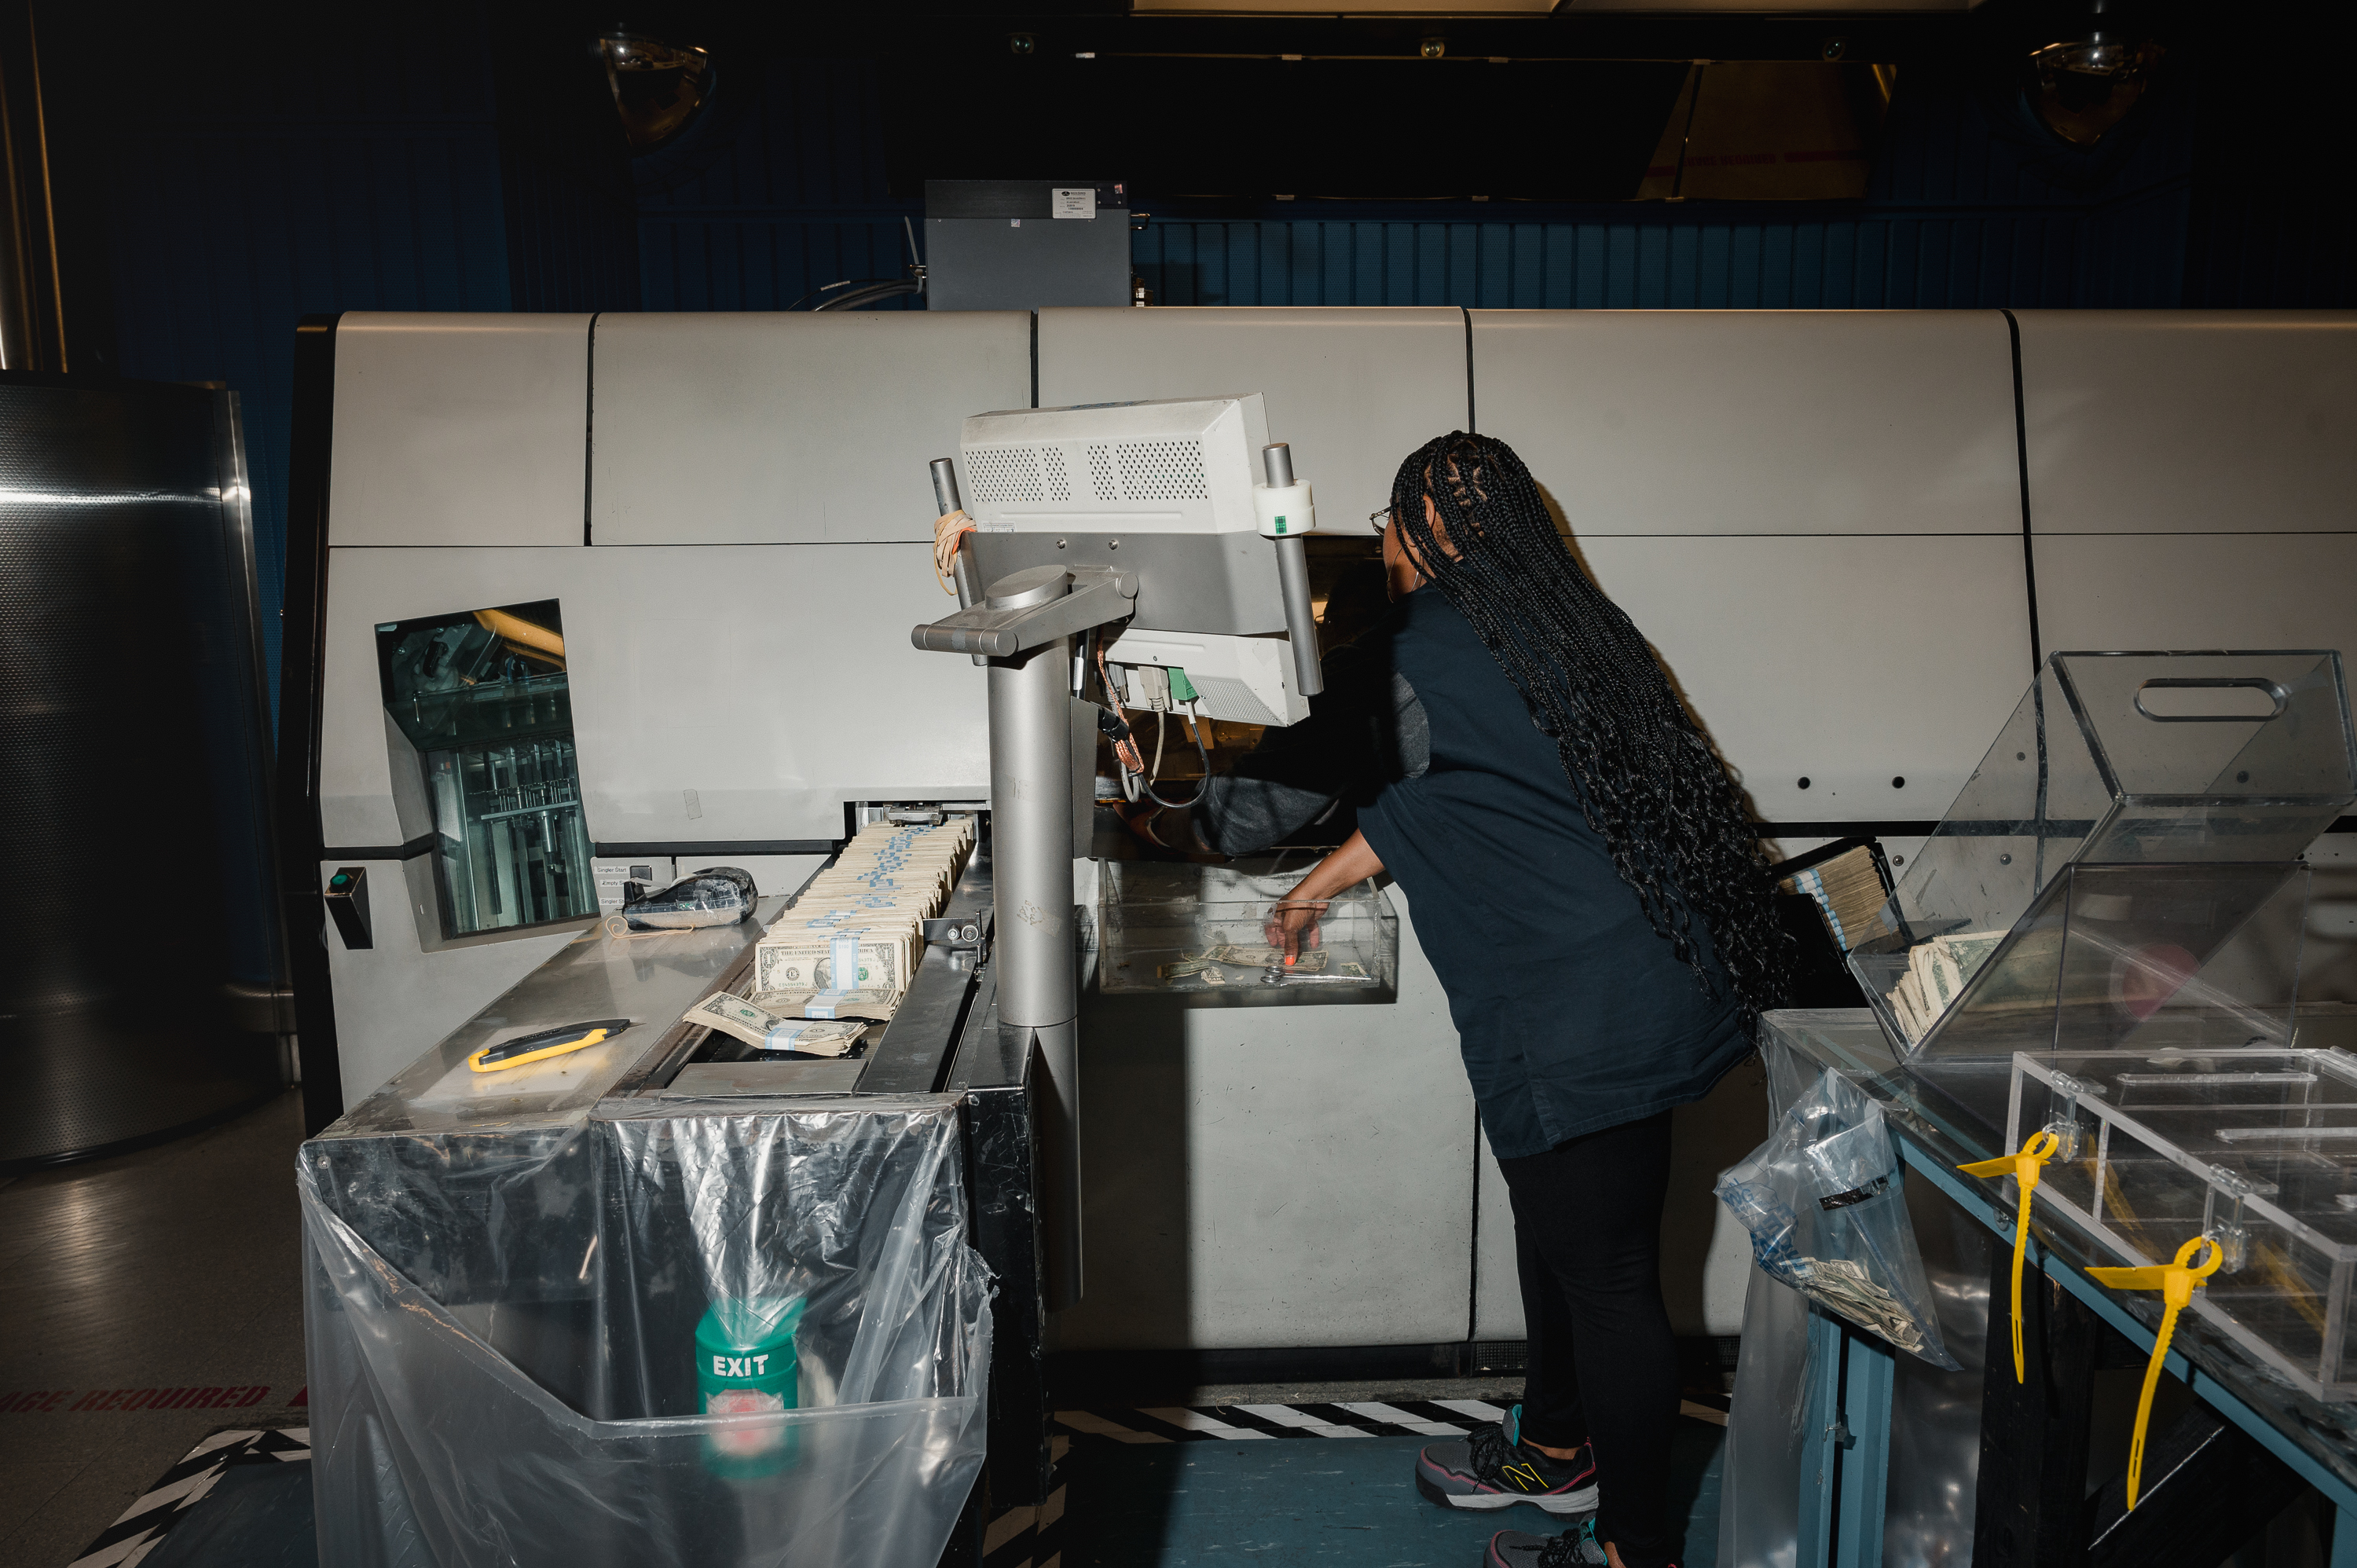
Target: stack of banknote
x=1849 y=896
x=1937 y=969
x=759 y=1027
x=1846 y=1288
x=858 y=924
x=869 y=1007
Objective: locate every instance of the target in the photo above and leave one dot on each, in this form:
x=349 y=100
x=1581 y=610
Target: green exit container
x=746 y=1365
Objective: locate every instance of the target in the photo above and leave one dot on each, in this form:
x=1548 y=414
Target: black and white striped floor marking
x=1253 y=1422
x=144 y=1523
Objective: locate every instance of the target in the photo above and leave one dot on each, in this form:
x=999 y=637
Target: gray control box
x=1025 y=244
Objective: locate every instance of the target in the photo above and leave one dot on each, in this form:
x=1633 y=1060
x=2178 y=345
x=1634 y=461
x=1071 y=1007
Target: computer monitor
x=1163 y=489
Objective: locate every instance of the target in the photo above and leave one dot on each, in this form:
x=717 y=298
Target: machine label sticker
x=1073 y=202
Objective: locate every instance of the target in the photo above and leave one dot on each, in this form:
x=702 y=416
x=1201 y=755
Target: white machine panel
x=2197 y=590
x=2191 y=422
x=790 y=427
x=730 y=693
x=458 y=429
x=393 y=1000
x=1352 y=389
x=1275 y=1175
x=1700 y=422
x=1848 y=661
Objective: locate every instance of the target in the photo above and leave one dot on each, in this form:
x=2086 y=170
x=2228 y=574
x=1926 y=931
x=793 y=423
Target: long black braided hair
x=1647 y=780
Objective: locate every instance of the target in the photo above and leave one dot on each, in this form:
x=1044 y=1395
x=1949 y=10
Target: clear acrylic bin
x=2255 y=1147
x=2195 y=781
x=1200 y=933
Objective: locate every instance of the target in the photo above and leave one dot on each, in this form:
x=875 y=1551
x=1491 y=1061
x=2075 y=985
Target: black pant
x=1603 y=1364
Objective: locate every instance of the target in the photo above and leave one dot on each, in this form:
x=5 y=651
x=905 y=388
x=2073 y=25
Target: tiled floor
x=164 y=1278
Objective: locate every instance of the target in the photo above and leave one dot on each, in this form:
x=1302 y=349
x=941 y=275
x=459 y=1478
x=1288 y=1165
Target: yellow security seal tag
x=2175 y=1282
x=2023 y=1168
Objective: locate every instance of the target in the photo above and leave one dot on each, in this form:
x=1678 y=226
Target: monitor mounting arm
x=1025 y=610
x=1026 y=624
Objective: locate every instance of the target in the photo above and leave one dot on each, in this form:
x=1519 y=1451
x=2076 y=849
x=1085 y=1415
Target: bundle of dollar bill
x=759 y=1027
x=1849 y=896
x=873 y=1007
x=1937 y=969
x=919 y=862
x=851 y=958
x=1846 y=1288
x=857 y=925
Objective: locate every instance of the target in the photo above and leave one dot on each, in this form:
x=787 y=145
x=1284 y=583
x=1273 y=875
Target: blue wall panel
x=353 y=176
x=225 y=237
x=784 y=195
x=692 y=262
x=1628 y=257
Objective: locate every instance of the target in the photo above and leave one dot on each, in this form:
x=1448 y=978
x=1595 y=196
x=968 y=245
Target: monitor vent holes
x=1161 y=470
x=1000 y=474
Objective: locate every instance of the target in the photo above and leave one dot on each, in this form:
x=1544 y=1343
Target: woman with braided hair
x=1590 y=891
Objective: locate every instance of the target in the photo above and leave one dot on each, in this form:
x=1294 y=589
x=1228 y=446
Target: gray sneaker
x=1491 y=1467
x=1575 y=1547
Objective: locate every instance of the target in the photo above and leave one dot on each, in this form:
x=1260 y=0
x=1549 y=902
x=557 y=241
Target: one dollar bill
x=765 y=1030
x=873 y=1006
x=851 y=962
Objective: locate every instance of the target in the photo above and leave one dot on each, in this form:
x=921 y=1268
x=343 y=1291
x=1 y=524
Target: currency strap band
x=2023 y=1168
x=2175 y=1282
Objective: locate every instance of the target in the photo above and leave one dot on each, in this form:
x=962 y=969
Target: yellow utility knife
x=548 y=1043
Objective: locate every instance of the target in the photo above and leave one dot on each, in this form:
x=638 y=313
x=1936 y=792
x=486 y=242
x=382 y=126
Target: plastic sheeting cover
x=502 y=1338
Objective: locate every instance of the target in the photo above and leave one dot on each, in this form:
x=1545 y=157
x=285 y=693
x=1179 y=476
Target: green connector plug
x=1181 y=688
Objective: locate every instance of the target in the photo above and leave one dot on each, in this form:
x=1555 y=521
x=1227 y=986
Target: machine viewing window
x=482 y=695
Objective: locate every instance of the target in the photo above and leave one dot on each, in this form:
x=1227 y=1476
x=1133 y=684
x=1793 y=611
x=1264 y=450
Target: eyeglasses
x=1381 y=518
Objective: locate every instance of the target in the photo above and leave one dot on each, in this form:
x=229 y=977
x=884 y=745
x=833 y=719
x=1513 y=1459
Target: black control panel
x=348 y=902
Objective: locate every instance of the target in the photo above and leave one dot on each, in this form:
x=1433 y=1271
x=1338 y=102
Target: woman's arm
x=1346 y=868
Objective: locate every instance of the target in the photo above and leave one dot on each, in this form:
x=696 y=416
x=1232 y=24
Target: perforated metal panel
x=1352 y=389
x=999 y=474
x=1161 y=470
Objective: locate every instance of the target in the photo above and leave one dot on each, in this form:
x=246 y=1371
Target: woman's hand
x=1293 y=927
x=1299 y=911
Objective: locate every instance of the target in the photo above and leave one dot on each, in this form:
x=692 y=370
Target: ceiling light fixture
x=2083 y=87
x=657 y=87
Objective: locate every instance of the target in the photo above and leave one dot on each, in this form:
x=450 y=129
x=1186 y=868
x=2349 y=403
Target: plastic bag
x=528 y=1345
x=716 y=895
x=1821 y=1200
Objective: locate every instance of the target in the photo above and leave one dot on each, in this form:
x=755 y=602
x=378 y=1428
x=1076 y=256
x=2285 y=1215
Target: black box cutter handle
x=546 y=1043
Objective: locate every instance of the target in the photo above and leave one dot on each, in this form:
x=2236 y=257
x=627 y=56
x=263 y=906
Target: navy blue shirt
x=1572 y=1015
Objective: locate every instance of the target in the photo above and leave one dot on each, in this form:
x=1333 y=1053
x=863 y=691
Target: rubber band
x=948 y=528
